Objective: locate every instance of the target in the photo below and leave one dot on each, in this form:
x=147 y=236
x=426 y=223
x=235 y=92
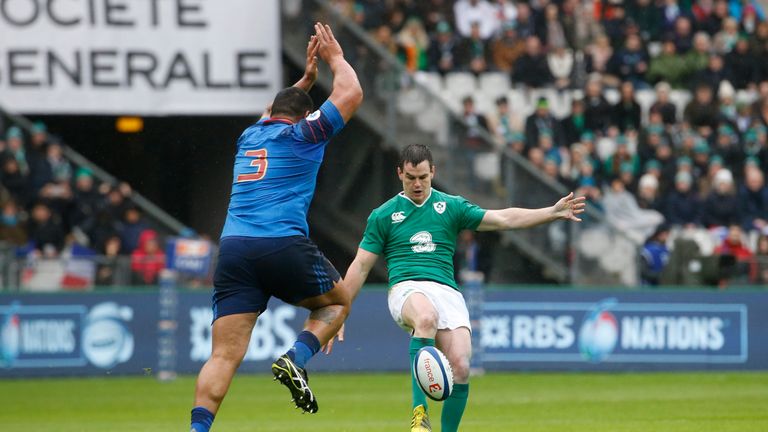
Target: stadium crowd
x=696 y=167
x=51 y=209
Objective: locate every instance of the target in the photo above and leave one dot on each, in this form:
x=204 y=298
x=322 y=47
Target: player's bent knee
x=426 y=322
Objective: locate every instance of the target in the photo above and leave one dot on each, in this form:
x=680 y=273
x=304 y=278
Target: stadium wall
x=520 y=329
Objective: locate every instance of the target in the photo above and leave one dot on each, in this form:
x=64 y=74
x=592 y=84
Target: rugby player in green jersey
x=416 y=232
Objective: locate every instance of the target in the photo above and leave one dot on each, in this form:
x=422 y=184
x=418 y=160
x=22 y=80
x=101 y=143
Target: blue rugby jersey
x=275 y=174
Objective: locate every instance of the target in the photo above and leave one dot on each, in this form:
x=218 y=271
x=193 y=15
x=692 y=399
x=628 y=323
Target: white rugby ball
x=433 y=373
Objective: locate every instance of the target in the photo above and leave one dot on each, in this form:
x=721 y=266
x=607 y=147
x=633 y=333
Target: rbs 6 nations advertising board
x=150 y=57
x=99 y=334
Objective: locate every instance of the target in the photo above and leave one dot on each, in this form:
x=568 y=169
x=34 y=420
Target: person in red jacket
x=148 y=259
x=733 y=245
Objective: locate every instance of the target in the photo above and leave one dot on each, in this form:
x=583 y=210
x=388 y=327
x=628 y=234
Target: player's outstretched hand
x=568 y=207
x=327 y=348
x=329 y=48
x=310 y=71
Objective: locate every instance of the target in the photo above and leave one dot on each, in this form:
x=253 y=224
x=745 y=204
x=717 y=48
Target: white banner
x=145 y=57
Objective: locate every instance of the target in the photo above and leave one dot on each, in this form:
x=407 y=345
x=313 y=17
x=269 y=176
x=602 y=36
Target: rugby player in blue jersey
x=265 y=250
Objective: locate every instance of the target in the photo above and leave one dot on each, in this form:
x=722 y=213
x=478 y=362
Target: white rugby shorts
x=451 y=309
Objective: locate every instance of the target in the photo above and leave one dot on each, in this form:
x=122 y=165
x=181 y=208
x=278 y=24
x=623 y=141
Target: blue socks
x=202 y=419
x=306 y=346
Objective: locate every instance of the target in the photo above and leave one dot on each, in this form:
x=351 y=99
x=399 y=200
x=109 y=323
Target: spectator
x=99 y=228
x=481 y=12
x=614 y=26
x=706 y=18
x=60 y=168
x=728 y=147
x=663 y=106
x=622 y=211
x=725 y=39
x=15 y=150
x=560 y=61
x=742 y=66
x=15 y=182
x=109 y=262
x=598 y=55
x=683 y=35
x=39 y=170
x=647 y=17
x=541 y=120
x=553 y=36
x=573 y=126
x=655 y=256
x=148 y=259
x=682 y=205
x=597 y=110
x=631 y=62
x=131 y=228
x=670 y=12
x=531 y=69
x=506 y=49
x=697 y=58
x=702 y=112
x=473 y=52
x=442 y=50
x=86 y=200
x=733 y=246
x=722 y=205
x=753 y=196
x=505 y=123
x=761 y=261
x=526 y=25
x=613 y=163
x=669 y=67
x=414 y=41
x=45 y=232
x=627 y=111
x=433 y=12
x=648 y=197
x=12 y=225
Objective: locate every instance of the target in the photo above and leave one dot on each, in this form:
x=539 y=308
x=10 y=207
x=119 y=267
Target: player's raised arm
x=566 y=208
x=358 y=271
x=307 y=80
x=347 y=95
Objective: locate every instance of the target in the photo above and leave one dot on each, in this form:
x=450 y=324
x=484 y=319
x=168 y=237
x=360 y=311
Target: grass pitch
x=678 y=402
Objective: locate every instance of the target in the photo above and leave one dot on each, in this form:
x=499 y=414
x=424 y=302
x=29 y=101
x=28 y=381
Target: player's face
x=417 y=180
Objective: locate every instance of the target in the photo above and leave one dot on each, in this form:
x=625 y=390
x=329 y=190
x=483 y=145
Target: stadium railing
x=405 y=108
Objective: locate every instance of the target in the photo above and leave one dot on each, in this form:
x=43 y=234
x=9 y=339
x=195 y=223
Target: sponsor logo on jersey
x=398 y=217
x=439 y=207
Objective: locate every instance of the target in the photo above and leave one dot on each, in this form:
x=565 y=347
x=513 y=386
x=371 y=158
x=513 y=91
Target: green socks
x=419 y=398
x=453 y=408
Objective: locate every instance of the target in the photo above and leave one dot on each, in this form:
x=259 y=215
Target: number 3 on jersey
x=260 y=163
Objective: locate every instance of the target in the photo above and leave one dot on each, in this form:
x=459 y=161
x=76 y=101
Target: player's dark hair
x=415 y=154
x=292 y=102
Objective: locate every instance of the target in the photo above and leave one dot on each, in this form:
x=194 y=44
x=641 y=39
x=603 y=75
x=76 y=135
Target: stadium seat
x=412 y=100
x=494 y=84
x=431 y=80
x=680 y=98
x=461 y=84
x=612 y=96
x=645 y=98
x=487 y=166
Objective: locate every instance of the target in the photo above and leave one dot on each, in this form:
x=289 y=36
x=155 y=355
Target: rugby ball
x=433 y=373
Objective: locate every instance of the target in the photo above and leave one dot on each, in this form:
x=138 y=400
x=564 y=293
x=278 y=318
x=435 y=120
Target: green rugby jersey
x=418 y=241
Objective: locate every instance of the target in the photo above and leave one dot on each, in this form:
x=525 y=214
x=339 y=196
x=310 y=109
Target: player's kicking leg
x=456 y=344
x=231 y=335
x=419 y=314
x=328 y=312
